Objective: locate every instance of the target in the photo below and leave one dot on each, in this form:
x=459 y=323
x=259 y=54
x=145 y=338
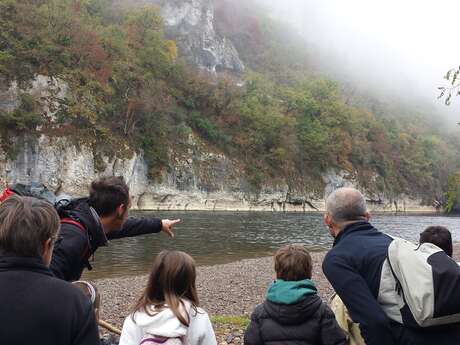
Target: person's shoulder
x=67 y=291
x=334 y=255
x=259 y=312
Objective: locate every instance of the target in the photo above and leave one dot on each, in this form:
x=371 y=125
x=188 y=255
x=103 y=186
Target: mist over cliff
x=219 y=104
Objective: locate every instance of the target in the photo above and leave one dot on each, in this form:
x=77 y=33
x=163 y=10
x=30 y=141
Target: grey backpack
x=420 y=285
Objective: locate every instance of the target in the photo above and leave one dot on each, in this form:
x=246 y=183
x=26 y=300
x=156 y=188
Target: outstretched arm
x=136 y=226
x=357 y=297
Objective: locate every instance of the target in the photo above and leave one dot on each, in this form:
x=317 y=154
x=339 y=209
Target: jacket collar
x=351 y=228
x=81 y=211
x=19 y=263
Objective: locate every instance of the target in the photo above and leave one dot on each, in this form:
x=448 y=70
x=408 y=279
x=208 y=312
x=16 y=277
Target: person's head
x=344 y=206
x=109 y=196
x=90 y=290
x=439 y=236
x=293 y=262
x=171 y=279
x=28 y=227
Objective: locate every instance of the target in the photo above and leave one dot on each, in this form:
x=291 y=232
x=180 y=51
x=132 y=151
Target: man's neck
x=342 y=226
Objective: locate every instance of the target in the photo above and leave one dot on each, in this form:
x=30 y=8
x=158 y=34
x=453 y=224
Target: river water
x=221 y=237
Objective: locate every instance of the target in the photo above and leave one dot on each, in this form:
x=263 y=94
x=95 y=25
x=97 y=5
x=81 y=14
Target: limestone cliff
x=191 y=24
x=199 y=180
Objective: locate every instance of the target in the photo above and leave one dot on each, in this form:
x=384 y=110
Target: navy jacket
x=353 y=267
x=37 y=308
x=75 y=245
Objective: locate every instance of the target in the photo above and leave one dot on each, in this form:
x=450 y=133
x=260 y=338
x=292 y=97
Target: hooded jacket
x=165 y=324
x=76 y=243
x=293 y=314
x=37 y=308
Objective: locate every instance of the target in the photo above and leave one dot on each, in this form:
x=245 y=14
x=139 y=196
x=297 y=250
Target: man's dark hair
x=293 y=263
x=107 y=193
x=25 y=224
x=439 y=236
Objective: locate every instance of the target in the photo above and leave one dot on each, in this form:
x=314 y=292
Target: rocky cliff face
x=191 y=24
x=199 y=180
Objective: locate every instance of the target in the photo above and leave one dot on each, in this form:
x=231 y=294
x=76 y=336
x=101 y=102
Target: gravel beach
x=229 y=289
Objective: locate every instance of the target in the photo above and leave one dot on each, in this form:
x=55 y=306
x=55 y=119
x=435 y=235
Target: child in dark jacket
x=293 y=313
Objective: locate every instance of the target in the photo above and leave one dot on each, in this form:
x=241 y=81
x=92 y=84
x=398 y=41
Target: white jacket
x=166 y=324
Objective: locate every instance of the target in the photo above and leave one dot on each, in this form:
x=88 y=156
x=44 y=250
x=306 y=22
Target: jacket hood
x=290 y=292
x=80 y=211
x=294 y=314
x=163 y=323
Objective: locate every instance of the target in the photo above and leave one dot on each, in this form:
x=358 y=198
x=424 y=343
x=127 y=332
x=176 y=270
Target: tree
x=453 y=87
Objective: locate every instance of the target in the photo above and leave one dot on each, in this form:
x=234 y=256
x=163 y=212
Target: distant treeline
x=117 y=79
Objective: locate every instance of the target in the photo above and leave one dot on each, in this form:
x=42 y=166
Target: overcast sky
x=407 y=45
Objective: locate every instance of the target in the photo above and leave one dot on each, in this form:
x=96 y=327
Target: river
x=221 y=237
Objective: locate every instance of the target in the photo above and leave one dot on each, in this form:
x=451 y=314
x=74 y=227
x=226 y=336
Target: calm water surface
x=221 y=237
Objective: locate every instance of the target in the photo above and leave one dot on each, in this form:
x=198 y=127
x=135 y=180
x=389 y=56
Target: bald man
x=353 y=267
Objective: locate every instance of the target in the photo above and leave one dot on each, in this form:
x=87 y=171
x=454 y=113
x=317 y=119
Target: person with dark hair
x=88 y=223
x=36 y=307
x=293 y=313
x=439 y=236
x=168 y=311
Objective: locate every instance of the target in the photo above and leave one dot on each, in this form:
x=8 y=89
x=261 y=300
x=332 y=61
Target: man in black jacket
x=36 y=307
x=354 y=266
x=88 y=223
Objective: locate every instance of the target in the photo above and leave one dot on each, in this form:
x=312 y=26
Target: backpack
x=62 y=203
x=420 y=285
x=149 y=339
x=34 y=189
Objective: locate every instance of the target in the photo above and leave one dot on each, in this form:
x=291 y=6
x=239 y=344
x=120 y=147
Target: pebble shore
x=229 y=289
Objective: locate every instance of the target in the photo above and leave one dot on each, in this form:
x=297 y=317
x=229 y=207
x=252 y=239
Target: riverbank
x=227 y=292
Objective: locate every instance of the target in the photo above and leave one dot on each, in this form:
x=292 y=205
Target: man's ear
x=367 y=216
x=121 y=209
x=47 y=251
x=327 y=219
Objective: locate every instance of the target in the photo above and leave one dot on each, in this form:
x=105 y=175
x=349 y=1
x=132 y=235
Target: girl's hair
x=171 y=279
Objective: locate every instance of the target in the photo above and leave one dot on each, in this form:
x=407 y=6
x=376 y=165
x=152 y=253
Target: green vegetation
x=453 y=193
x=126 y=86
x=233 y=321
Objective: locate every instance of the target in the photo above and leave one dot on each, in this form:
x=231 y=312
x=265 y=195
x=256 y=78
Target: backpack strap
x=6 y=194
x=87 y=252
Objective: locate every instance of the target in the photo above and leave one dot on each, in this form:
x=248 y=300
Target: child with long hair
x=168 y=312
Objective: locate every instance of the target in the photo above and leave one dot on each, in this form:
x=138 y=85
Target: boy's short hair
x=439 y=236
x=293 y=262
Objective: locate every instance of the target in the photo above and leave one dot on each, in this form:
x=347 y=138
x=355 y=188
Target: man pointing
x=88 y=223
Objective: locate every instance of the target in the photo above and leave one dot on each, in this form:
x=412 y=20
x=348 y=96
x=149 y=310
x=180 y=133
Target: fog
x=399 y=47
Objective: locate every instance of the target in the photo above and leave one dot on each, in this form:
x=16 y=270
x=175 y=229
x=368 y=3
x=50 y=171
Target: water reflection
x=220 y=237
